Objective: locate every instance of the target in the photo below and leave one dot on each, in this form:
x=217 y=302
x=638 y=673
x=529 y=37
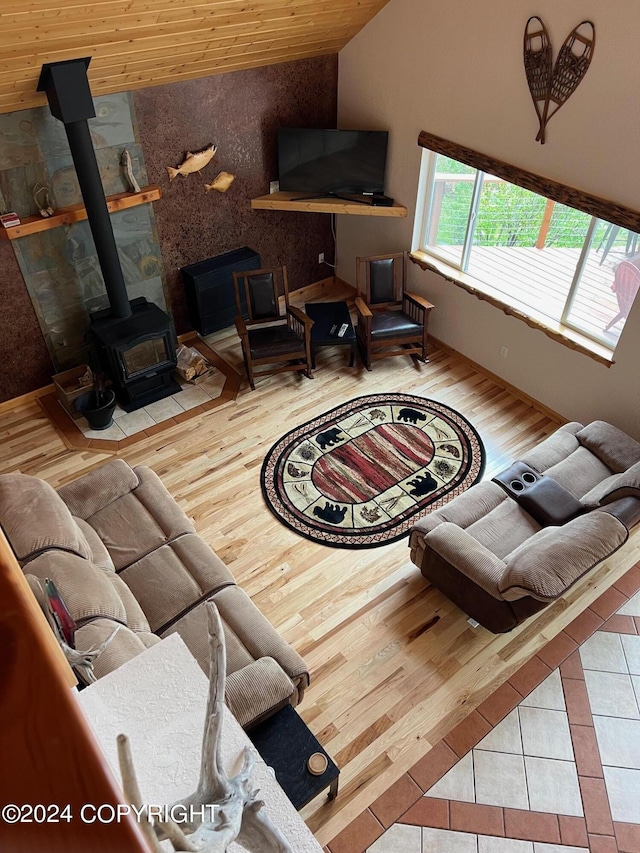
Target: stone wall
x=60 y=267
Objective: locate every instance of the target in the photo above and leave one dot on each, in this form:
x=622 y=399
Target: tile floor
x=549 y=764
x=130 y=423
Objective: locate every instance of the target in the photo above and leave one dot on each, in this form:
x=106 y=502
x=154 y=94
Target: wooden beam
x=601 y=208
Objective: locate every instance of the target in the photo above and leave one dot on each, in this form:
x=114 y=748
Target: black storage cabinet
x=209 y=288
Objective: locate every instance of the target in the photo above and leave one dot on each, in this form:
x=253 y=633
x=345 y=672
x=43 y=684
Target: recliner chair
x=501 y=554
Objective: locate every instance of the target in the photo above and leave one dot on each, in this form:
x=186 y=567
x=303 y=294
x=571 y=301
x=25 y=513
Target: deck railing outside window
x=543 y=257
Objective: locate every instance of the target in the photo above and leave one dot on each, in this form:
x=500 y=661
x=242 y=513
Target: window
x=558 y=265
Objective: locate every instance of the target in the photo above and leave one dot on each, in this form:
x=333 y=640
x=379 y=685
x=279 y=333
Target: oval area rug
x=361 y=474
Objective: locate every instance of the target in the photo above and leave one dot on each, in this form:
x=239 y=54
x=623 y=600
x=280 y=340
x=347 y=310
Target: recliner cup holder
x=517 y=479
x=528 y=478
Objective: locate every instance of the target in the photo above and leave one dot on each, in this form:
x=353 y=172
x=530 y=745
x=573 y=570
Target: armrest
x=301 y=316
x=467 y=555
x=362 y=307
x=626 y=510
x=615 y=448
x=552 y=560
x=626 y=484
x=418 y=300
x=257 y=690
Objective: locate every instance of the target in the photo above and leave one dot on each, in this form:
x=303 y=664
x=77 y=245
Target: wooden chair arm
x=418 y=300
x=362 y=307
x=299 y=314
x=241 y=326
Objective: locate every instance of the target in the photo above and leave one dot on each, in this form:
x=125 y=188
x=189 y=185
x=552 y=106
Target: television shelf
x=76 y=213
x=291 y=201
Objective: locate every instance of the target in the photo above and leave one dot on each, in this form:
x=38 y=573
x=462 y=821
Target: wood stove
x=135 y=340
x=138 y=353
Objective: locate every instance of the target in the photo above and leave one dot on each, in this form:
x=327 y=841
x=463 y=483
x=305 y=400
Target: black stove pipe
x=67 y=88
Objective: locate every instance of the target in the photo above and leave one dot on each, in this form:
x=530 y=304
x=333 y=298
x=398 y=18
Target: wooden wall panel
x=138 y=43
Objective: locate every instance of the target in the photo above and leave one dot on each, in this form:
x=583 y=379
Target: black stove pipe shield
x=67 y=89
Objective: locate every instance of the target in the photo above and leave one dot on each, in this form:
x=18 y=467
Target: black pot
x=98 y=416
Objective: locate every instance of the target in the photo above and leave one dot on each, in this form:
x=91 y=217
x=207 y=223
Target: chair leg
x=248 y=368
x=614 y=321
x=310 y=359
x=366 y=358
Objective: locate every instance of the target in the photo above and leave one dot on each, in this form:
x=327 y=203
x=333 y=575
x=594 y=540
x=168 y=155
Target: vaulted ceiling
x=136 y=43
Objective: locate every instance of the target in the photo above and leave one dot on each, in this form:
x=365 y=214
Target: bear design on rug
x=411 y=415
x=329 y=437
x=331 y=513
x=422 y=485
x=452 y=449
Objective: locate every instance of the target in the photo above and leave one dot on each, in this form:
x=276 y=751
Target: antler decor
x=551 y=87
x=236 y=812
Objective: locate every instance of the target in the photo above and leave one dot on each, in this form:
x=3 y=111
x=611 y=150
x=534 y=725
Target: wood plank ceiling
x=137 y=43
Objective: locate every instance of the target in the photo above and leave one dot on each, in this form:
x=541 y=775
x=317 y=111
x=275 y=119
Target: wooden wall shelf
x=77 y=212
x=291 y=201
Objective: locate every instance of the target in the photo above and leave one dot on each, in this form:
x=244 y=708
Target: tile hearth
x=130 y=427
x=129 y=423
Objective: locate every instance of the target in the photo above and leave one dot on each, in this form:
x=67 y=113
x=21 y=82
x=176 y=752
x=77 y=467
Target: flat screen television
x=332 y=161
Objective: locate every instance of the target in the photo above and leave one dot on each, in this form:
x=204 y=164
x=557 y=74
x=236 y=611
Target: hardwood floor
x=394 y=664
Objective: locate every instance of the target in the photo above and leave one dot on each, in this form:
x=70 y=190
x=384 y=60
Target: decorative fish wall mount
x=221 y=182
x=552 y=86
x=193 y=162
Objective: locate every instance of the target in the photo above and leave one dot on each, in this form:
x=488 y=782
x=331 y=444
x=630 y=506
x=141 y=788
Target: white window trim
x=560 y=330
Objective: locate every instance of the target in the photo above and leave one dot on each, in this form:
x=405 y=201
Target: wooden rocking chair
x=279 y=342
x=391 y=321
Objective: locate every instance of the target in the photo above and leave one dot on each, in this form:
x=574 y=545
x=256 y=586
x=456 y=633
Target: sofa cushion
x=93 y=491
x=192 y=627
x=84 y=588
x=126 y=644
x=615 y=448
x=552 y=560
x=468 y=507
x=579 y=472
x=89 y=591
x=248 y=635
x=174 y=577
x=504 y=528
x=554 y=448
x=35 y=519
x=99 y=554
x=134 y=615
x=139 y=521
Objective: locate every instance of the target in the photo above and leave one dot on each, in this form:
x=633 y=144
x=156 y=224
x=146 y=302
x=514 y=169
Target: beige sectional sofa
x=123 y=554
x=502 y=553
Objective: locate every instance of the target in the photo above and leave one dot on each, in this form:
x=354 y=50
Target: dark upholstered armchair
x=391 y=321
x=278 y=342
